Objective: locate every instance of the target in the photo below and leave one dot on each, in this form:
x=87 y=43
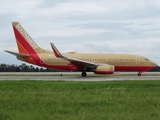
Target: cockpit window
x=146 y=59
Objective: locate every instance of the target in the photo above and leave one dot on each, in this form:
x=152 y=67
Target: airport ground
x=76 y=76
x=50 y=96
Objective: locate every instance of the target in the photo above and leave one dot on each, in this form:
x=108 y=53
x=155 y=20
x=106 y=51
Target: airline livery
x=31 y=53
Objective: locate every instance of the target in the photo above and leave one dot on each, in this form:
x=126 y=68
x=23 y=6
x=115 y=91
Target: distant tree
x=4 y=67
x=17 y=69
x=156 y=69
x=41 y=69
x=24 y=68
x=37 y=69
x=12 y=68
x=31 y=68
x=47 y=70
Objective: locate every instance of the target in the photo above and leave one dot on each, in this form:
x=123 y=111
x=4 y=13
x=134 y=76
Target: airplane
x=103 y=64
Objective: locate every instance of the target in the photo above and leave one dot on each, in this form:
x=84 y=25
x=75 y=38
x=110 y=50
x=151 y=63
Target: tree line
x=156 y=69
x=23 y=68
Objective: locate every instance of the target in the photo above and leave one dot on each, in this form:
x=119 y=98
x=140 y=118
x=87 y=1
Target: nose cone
x=154 y=64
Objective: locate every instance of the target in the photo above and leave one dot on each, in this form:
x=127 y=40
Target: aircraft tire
x=84 y=74
x=139 y=74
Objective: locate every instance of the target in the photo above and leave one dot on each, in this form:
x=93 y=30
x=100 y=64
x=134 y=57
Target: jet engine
x=104 y=69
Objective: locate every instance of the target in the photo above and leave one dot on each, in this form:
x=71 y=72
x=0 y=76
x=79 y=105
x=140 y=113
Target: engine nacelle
x=105 y=69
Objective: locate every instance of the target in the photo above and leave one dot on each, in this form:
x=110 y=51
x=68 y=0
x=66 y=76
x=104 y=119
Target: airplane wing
x=17 y=54
x=72 y=60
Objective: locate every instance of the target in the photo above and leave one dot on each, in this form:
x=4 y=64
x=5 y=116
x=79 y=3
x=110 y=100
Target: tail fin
x=25 y=43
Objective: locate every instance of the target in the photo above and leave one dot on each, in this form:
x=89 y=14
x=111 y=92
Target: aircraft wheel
x=139 y=74
x=84 y=74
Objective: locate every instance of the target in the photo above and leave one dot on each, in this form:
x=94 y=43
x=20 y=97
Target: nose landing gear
x=84 y=74
x=139 y=74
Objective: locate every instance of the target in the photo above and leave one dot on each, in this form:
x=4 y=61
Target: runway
x=76 y=77
x=72 y=78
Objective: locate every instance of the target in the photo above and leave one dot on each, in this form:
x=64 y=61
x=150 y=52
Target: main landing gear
x=84 y=74
x=139 y=74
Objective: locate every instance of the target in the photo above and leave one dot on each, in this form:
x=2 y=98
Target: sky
x=84 y=26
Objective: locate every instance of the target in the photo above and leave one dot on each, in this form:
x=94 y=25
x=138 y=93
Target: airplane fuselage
x=121 y=62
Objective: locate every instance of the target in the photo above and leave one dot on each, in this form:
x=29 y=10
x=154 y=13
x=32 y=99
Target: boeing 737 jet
x=31 y=53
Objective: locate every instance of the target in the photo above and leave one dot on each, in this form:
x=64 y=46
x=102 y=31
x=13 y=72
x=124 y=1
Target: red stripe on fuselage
x=133 y=68
x=117 y=68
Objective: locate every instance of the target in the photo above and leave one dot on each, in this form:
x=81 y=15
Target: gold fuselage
x=121 y=62
x=110 y=59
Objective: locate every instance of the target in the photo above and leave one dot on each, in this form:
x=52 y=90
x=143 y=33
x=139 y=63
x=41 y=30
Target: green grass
x=50 y=100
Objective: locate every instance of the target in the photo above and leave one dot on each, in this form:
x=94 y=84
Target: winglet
x=55 y=50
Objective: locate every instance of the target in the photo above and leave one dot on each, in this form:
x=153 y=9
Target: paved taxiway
x=79 y=78
x=72 y=78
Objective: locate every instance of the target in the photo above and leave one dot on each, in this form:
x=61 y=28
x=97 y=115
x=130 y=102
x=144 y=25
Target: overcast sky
x=84 y=26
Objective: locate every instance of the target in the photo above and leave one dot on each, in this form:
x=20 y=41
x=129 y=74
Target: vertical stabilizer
x=25 y=43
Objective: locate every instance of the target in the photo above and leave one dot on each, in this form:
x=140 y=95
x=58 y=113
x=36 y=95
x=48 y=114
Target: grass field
x=59 y=100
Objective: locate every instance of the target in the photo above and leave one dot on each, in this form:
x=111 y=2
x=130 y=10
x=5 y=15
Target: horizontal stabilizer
x=17 y=54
